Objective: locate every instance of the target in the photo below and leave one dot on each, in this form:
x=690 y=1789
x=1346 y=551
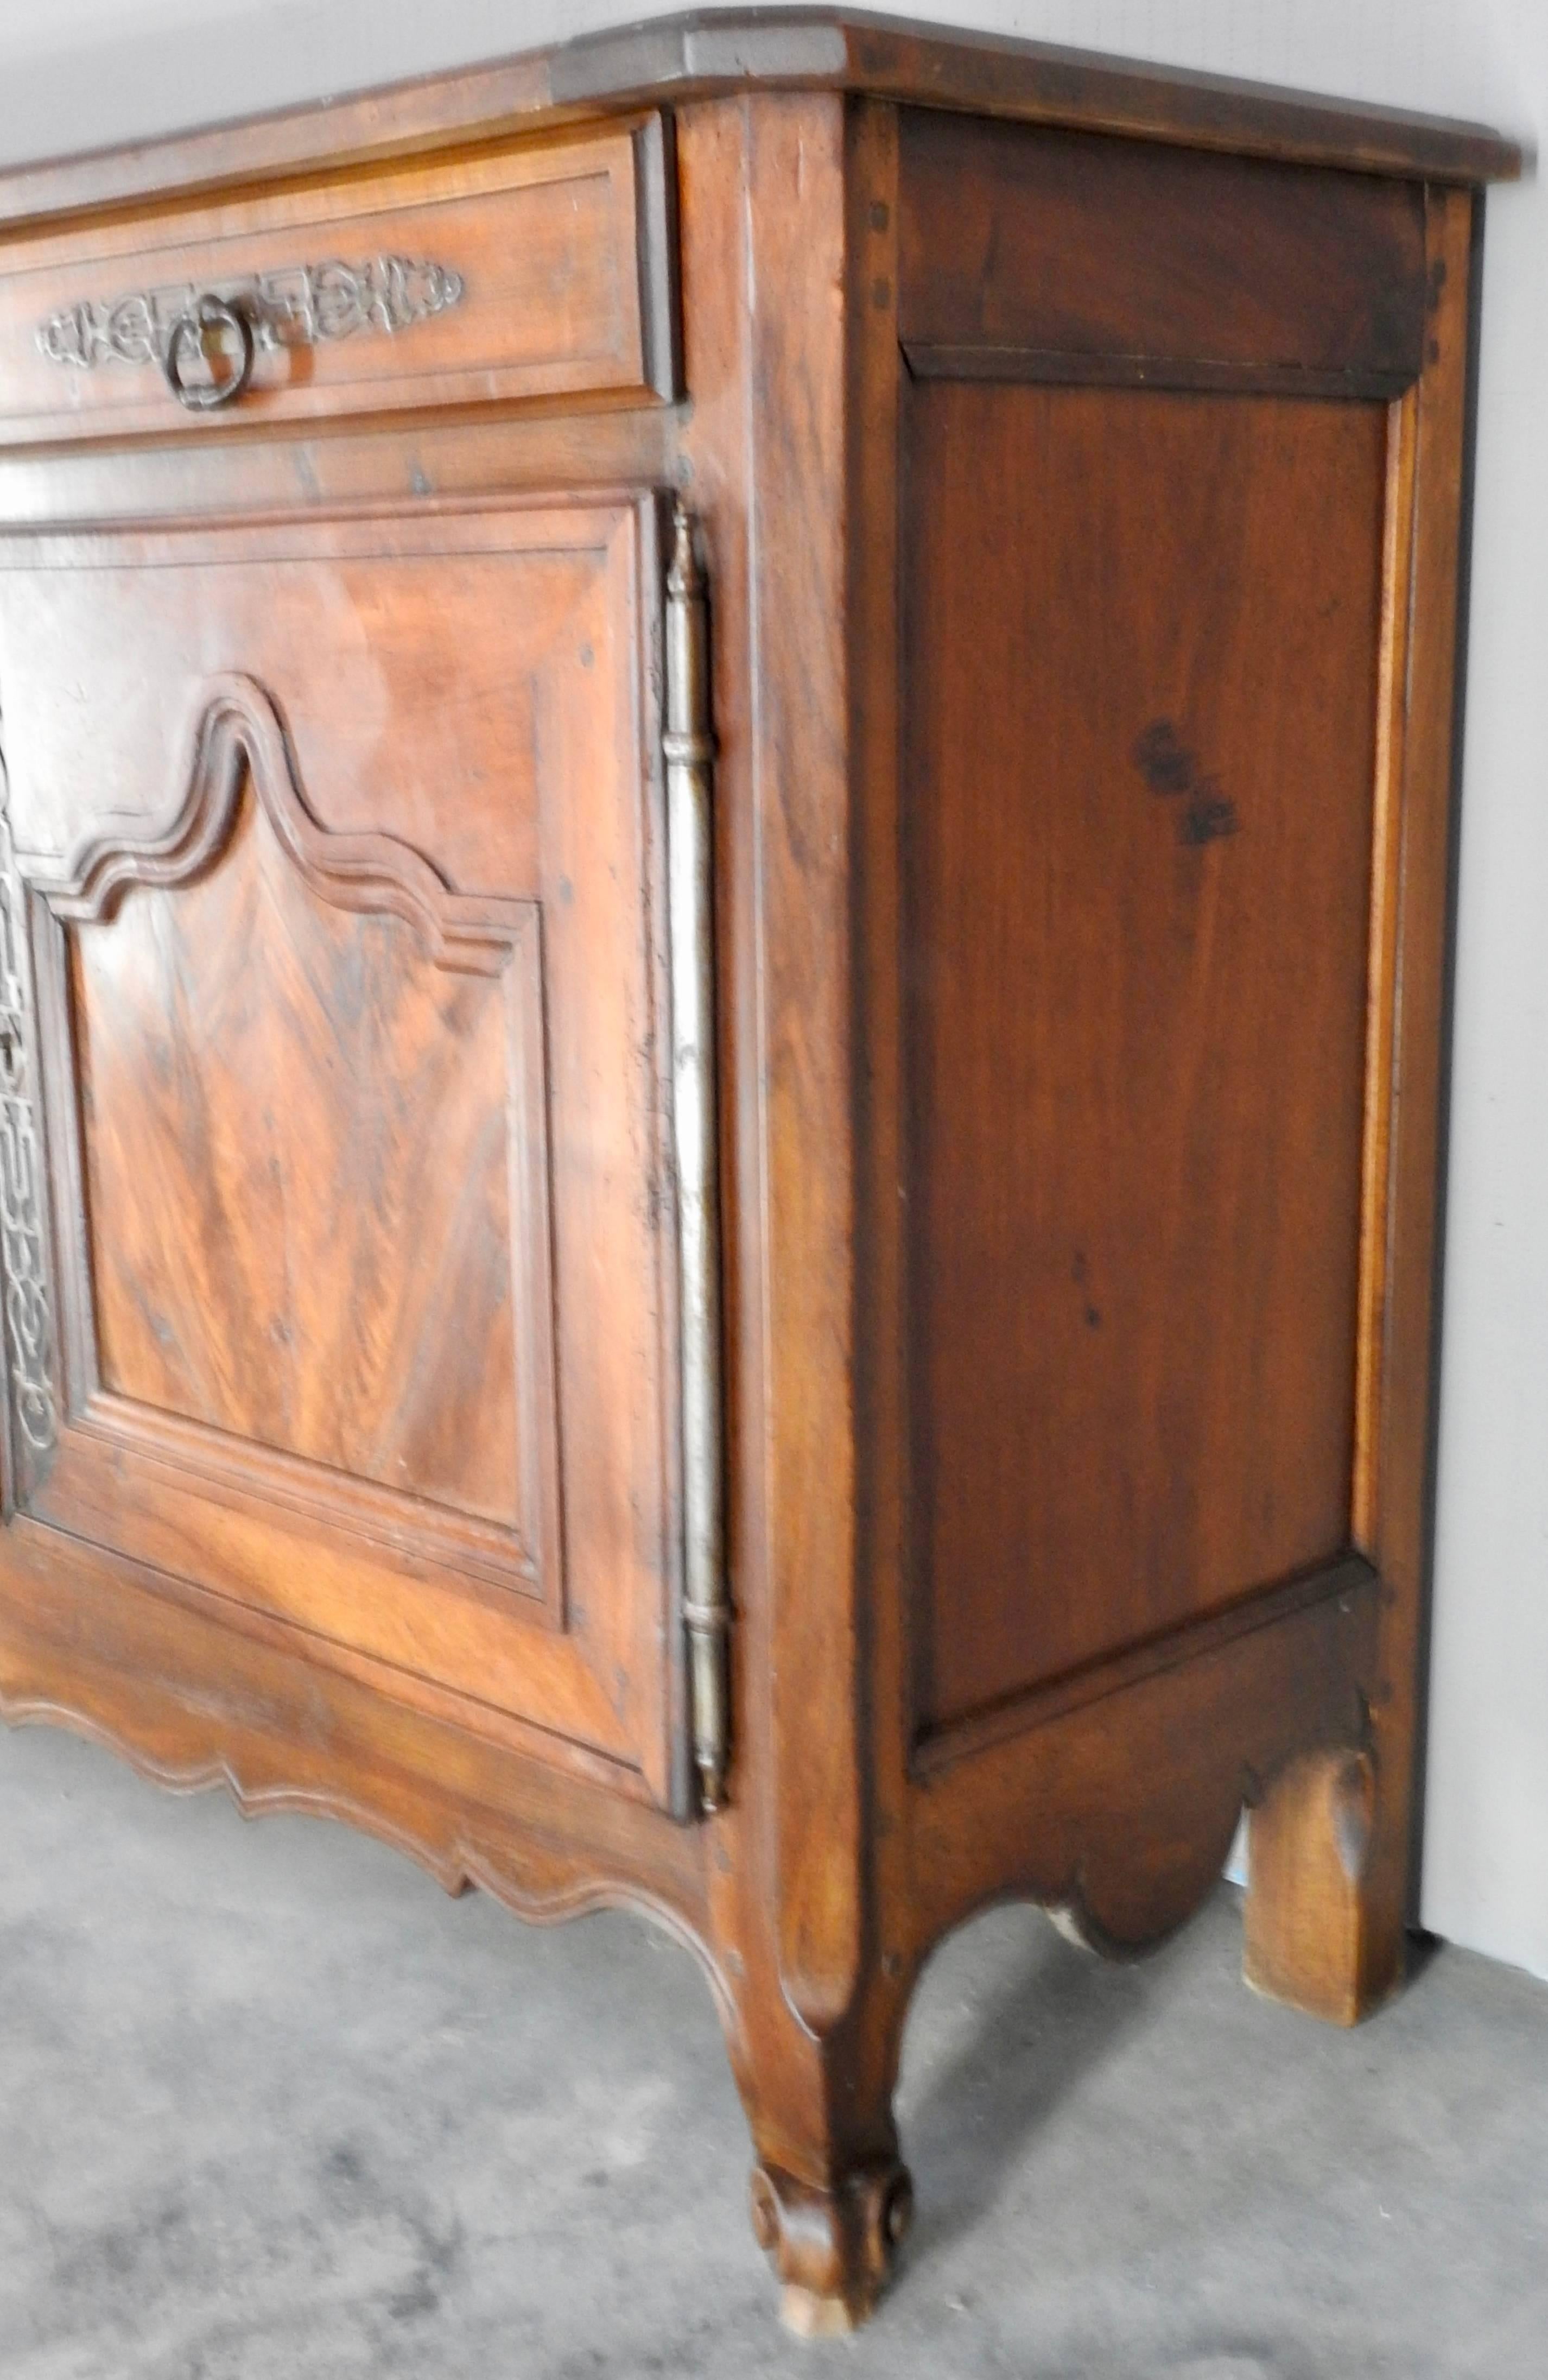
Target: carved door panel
x=335 y=999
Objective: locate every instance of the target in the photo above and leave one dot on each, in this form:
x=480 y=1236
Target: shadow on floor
x=1051 y=2016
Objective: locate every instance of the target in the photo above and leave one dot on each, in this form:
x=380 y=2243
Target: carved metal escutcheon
x=292 y=306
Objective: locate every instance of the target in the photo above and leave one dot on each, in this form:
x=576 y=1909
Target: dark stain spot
x=567 y=891
x=881 y=293
x=596 y=2180
x=879 y=217
x=1171 y=770
x=1163 y=760
x=1206 y=819
x=418 y=482
x=586 y=657
x=1094 y=1317
x=1437 y=280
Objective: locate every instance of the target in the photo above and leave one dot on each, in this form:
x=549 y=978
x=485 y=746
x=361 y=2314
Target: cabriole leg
x=830 y=2197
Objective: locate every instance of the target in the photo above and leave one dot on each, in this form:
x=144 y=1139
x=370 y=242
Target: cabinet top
x=720 y=50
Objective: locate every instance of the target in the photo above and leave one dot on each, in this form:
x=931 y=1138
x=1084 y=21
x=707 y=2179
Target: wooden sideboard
x=723 y=983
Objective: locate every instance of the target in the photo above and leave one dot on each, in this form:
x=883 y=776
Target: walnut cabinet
x=722 y=957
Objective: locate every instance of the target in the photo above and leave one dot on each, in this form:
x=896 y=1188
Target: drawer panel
x=538 y=273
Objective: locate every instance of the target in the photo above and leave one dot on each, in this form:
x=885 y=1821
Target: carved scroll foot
x=831 y=2200
x=1320 y=1935
x=832 y=2249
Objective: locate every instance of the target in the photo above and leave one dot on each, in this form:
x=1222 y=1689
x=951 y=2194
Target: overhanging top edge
x=706 y=52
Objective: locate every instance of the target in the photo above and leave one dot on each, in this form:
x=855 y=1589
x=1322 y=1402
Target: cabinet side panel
x=1069 y=255
x=1140 y=697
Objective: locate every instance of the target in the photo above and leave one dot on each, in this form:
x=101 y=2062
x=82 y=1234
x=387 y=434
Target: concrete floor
x=272 y=2107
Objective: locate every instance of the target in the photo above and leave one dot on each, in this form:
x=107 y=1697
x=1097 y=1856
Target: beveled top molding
x=739 y=49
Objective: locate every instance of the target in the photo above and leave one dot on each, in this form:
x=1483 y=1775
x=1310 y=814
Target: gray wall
x=84 y=72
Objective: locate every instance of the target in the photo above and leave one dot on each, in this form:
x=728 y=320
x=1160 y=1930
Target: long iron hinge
x=689 y=747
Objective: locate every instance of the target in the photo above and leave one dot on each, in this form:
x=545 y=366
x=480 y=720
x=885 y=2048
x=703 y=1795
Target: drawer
x=534 y=273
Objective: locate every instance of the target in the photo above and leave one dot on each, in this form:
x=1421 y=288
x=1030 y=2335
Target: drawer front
x=337 y=874
x=527 y=273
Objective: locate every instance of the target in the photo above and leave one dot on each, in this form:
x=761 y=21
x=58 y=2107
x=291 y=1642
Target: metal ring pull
x=209 y=313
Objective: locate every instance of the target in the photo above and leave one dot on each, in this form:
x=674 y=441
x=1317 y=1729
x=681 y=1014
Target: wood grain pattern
x=261 y=1052
x=97 y=1645
x=1190 y=1641
x=797 y=360
x=1381 y=990
x=566 y=291
x=1310 y=1849
x=1120 y=1814
x=1326 y=1928
x=1138 y=865
x=413 y=654
x=432 y=461
x=1072 y=257
x=1410 y=1317
x=786 y=1859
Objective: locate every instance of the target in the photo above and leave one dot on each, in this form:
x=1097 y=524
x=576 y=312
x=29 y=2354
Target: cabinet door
x=337 y=1199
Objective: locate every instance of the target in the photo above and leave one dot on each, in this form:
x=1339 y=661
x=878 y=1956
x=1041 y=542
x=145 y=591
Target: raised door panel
x=279 y=1020
x=340 y=1109
x=341 y=852
x=1141 y=703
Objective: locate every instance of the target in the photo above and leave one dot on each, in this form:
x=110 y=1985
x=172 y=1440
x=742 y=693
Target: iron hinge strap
x=688 y=747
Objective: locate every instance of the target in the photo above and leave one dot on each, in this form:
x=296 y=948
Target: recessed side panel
x=1140 y=703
